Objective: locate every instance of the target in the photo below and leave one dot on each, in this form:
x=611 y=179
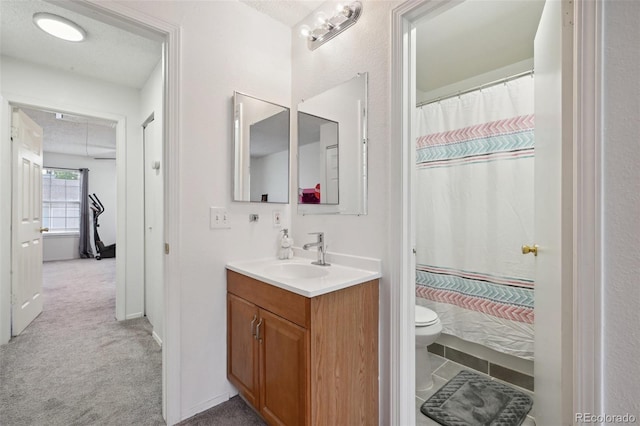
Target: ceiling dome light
x=58 y=26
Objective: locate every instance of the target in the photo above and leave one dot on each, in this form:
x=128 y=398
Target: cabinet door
x=242 y=348
x=283 y=371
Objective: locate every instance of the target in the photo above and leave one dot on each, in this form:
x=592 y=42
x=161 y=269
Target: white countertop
x=337 y=276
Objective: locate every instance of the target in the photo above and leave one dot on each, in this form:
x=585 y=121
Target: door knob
x=528 y=249
x=44 y=230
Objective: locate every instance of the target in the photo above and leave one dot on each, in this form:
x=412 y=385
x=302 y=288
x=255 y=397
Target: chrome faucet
x=321 y=248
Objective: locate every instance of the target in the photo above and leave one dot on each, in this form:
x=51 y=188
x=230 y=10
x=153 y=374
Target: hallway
x=75 y=364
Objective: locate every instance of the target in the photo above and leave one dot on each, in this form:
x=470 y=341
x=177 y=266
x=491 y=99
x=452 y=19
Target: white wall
x=60 y=247
x=365 y=47
x=269 y=175
x=475 y=81
x=69 y=92
x=621 y=188
x=151 y=102
x=309 y=171
x=225 y=46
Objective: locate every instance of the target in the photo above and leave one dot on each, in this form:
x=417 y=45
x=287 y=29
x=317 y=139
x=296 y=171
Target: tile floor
x=443 y=371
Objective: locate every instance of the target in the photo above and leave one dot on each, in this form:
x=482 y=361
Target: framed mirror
x=332 y=150
x=261 y=150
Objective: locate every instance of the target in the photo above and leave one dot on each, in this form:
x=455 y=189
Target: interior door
x=154 y=223
x=553 y=214
x=26 y=262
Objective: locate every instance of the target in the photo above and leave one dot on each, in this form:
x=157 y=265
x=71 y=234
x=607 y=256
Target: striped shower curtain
x=474 y=210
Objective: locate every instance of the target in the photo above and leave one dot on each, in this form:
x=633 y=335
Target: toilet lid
x=425 y=316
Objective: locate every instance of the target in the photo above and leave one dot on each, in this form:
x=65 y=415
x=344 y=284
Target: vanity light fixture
x=59 y=27
x=328 y=28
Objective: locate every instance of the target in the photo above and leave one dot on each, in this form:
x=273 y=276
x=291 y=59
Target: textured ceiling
x=76 y=135
x=287 y=12
x=109 y=53
x=473 y=38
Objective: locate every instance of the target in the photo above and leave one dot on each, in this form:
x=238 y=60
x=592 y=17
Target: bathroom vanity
x=302 y=341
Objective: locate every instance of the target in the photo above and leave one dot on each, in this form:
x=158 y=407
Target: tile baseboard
x=505 y=374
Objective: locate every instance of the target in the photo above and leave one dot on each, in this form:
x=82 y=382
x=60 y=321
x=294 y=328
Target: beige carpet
x=234 y=412
x=76 y=365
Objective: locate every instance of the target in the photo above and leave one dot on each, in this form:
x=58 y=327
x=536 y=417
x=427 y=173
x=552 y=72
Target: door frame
x=586 y=369
x=19 y=101
x=123 y=16
x=145 y=161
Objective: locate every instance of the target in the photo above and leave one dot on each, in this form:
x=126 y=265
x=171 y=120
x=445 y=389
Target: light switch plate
x=219 y=218
x=277 y=218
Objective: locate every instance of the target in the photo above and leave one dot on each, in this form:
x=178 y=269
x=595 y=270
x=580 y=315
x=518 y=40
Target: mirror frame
x=235 y=151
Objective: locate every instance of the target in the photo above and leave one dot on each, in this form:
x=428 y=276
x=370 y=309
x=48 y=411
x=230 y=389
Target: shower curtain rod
x=474 y=89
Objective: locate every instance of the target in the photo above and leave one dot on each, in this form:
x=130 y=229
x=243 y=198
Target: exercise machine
x=101 y=250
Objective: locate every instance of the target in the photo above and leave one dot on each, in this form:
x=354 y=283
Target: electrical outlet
x=277 y=216
x=219 y=218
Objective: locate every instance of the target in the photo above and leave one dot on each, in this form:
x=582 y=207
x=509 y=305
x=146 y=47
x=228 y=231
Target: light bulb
x=346 y=11
x=305 y=31
x=321 y=17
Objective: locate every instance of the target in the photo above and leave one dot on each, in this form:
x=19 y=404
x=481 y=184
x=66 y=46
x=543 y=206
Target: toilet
x=428 y=328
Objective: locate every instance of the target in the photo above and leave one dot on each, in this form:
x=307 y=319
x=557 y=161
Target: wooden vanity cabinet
x=304 y=361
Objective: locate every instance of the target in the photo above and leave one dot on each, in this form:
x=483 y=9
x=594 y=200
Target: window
x=61 y=200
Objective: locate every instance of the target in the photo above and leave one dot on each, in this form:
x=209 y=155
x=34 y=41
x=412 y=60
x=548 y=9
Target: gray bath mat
x=470 y=399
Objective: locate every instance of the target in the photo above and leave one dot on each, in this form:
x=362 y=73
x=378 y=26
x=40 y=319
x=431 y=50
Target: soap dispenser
x=286 y=242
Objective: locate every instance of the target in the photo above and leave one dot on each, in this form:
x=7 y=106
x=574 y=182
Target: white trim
x=171 y=354
x=156 y=338
x=61 y=234
x=6 y=183
x=401 y=240
x=587 y=285
x=402 y=335
x=205 y=405
x=121 y=220
x=134 y=316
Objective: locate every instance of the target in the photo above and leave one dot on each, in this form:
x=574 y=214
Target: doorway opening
x=557 y=40
x=132 y=298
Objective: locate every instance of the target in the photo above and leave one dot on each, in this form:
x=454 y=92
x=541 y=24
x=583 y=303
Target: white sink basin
x=299 y=276
x=297 y=270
